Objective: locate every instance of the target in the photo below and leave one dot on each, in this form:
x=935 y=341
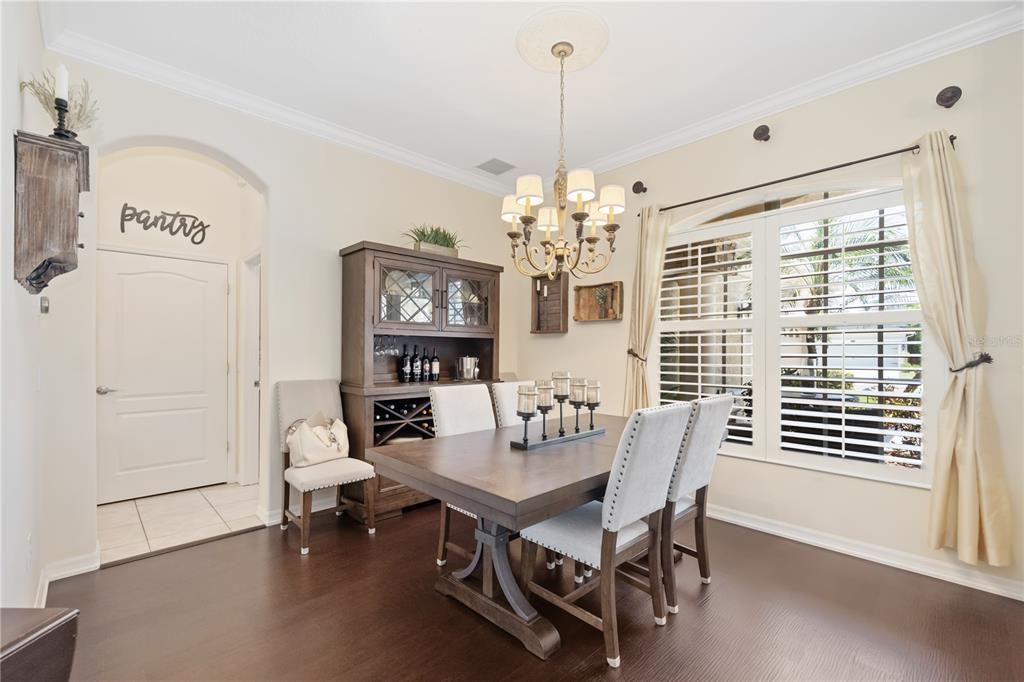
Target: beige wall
x=175 y=180
x=20 y=408
x=885 y=114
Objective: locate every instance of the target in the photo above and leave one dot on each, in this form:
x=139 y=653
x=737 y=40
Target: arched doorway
x=180 y=319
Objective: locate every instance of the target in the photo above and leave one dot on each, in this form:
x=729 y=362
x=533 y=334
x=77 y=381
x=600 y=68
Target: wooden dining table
x=508 y=490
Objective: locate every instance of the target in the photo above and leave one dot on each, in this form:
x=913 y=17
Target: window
x=808 y=315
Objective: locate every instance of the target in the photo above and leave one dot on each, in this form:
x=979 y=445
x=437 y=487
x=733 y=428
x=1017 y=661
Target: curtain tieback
x=636 y=355
x=982 y=359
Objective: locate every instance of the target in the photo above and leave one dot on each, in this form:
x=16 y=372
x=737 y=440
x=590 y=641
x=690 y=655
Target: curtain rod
x=952 y=140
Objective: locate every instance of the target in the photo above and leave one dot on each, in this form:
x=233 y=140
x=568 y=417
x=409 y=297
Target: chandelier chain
x=561 y=110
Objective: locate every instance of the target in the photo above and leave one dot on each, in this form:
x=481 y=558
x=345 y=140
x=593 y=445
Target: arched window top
x=770 y=205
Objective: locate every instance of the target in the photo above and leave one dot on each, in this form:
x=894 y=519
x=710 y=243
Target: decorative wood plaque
x=549 y=308
x=598 y=302
x=49 y=174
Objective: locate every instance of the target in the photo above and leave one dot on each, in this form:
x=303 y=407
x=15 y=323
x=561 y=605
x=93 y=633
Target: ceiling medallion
x=561 y=249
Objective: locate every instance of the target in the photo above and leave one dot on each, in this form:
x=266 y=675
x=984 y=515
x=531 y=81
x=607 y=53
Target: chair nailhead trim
x=334 y=485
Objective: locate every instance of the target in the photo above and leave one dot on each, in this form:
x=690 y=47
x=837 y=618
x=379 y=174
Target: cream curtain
x=970 y=506
x=650 y=259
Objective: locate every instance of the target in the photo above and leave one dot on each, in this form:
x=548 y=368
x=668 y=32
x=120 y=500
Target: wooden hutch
x=394 y=297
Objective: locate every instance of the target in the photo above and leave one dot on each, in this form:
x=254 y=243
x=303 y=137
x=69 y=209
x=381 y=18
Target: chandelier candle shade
x=565 y=245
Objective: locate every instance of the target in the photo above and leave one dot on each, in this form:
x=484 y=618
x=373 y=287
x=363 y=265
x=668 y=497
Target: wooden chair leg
x=700 y=532
x=528 y=559
x=442 y=538
x=337 y=503
x=370 y=501
x=668 y=564
x=307 y=514
x=654 y=566
x=549 y=559
x=609 y=620
x=284 y=508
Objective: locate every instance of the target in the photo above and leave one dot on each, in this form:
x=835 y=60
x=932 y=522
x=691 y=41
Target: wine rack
x=403 y=417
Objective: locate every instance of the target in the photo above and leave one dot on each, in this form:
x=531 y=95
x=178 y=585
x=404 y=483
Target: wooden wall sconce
x=49 y=175
x=549 y=307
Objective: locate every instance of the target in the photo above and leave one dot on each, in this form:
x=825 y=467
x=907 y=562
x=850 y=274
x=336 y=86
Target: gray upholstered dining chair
x=458 y=409
x=298 y=400
x=688 y=489
x=506 y=398
x=603 y=535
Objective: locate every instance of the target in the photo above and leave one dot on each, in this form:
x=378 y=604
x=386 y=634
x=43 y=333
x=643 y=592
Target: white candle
x=61 y=91
x=579 y=390
x=545 y=393
x=561 y=382
x=527 y=403
x=593 y=392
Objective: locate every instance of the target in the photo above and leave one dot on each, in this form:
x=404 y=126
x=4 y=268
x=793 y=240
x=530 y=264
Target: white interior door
x=162 y=370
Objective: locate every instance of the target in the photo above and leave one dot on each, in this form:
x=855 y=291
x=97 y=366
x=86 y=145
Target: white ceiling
x=442 y=87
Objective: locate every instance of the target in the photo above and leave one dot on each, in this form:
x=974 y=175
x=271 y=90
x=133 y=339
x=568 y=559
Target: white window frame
x=766 y=322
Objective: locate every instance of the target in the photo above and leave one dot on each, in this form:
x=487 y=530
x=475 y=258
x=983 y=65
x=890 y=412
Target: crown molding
x=59 y=39
x=980 y=30
x=102 y=54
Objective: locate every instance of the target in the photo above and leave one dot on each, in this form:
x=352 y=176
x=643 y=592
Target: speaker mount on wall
x=762 y=133
x=949 y=96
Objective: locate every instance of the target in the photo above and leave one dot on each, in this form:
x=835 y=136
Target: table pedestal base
x=514 y=614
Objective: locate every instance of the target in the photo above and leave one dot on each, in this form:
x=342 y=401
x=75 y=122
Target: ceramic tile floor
x=134 y=527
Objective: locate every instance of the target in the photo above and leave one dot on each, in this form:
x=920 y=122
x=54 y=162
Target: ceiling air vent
x=496 y=166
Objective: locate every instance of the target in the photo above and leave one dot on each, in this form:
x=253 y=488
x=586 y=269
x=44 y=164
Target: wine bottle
x=405 y=368
x=435 y=367
x=417 y=367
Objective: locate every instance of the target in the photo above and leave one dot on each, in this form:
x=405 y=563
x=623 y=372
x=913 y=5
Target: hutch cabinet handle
x=444 y=299
x=436 y=298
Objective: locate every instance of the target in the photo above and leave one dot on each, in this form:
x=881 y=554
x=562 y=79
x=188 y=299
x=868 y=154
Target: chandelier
x=570 y=241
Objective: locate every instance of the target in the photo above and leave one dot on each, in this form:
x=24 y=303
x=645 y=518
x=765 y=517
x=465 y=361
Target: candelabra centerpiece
x=570 y=241
x=542 y=396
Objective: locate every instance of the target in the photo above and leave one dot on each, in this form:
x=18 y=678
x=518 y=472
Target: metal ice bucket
x=467 y=368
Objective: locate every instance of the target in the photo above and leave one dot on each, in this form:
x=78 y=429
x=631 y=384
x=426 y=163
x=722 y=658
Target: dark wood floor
x=362 y=607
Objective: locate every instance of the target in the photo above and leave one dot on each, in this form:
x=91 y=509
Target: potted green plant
x=434 y=239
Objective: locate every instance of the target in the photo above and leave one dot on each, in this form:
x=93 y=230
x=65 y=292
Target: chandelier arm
x=530 y=257
x=588 y=269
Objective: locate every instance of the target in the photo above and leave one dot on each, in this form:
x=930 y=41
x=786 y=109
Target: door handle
x=103 y=390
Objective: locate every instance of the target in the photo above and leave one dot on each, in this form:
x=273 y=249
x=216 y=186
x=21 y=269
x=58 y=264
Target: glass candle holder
x=578 y=391
x=527 y=402
x=561 y=380
x=545 y=393
x=593 y=392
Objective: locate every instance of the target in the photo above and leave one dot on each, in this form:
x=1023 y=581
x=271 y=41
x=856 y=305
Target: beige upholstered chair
x=626 y=524
x=688 y=489
x=297 y=400
x=506 y=398
x=458 y=409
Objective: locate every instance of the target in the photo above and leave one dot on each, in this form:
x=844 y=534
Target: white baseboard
x=42 y=589
x=65 y=568
x=961 y=574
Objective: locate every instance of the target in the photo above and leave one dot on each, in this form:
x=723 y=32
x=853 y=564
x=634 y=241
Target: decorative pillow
x=316 y=440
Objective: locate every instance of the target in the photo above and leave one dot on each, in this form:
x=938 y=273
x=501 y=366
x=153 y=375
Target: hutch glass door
x=407 y=295
x=467 y=301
